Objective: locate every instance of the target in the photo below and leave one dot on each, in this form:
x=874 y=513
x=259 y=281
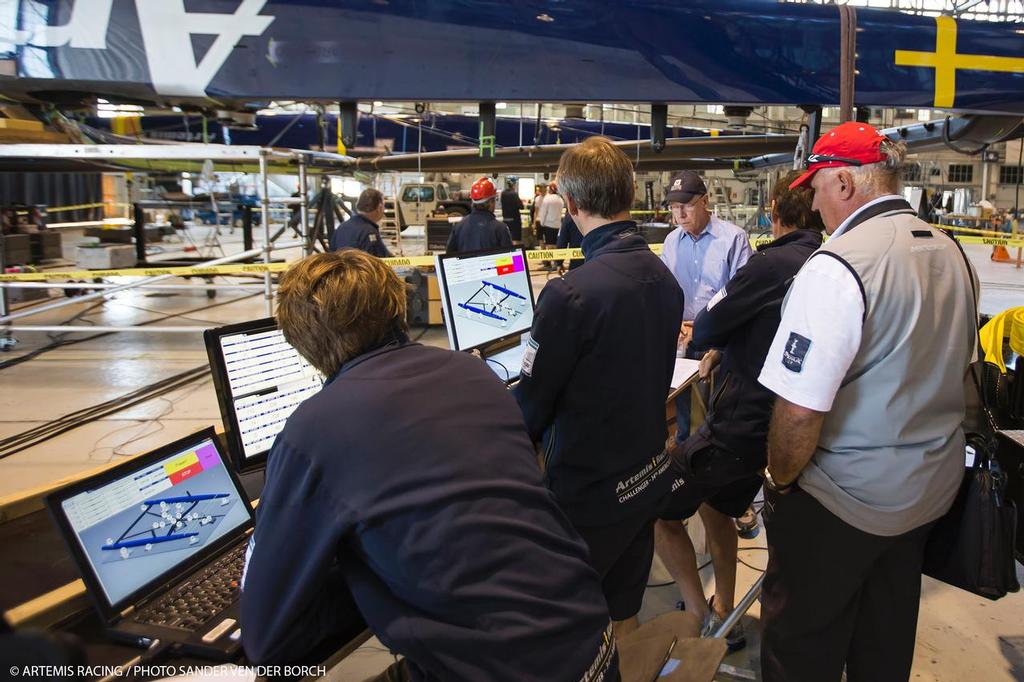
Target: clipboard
x=684 y=374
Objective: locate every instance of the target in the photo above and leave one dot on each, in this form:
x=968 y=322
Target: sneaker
x=734 y=641
x=746 y=525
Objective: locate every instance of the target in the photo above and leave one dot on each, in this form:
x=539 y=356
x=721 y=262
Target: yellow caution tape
x=993 y=241
x=77 y=207
x=971 y=230
x=409 y=261
x=236 y=269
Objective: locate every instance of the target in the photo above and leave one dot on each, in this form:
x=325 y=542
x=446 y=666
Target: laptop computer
x=260 y=379
x=160 y=542
x=487 y=298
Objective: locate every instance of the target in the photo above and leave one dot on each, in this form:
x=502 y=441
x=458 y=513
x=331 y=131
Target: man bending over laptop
x=437 y=520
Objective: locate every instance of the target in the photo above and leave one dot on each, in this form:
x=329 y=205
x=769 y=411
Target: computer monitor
x=260 y=379
x=487 y=296
x=143 y=522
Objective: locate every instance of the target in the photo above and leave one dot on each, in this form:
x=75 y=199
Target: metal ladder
x=390 y=230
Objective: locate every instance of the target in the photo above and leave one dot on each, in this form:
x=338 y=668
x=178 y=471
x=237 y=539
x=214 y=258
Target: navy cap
x=684 y=186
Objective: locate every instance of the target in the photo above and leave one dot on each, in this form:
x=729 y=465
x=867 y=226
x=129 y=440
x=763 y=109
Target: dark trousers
x=834 y=595
x=515 y=229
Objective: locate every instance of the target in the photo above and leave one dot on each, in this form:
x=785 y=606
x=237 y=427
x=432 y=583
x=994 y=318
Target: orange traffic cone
x=1000 y=254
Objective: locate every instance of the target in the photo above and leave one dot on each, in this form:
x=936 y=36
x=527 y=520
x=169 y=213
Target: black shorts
x=707 y=474
x=551 y=235
x=621 y=553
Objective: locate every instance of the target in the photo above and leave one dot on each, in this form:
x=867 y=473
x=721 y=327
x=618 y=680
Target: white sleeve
x=818 y=337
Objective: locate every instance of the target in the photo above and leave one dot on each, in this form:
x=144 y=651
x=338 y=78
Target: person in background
x=718 y=467
x=596 y=372
x=511 y=205
x=570 y=237
x=538 y=202
x=865 y=445
x=462 y=564
x=550 y=215
x=480 y=230
x=361 y=231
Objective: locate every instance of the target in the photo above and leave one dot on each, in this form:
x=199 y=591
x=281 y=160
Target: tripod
x=329 y=210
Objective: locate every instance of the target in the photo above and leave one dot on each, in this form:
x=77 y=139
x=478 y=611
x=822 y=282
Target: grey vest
x=891 y=453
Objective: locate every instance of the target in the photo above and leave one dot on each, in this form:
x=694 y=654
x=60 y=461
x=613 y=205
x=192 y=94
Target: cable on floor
x=72 y=420
x=116 y=450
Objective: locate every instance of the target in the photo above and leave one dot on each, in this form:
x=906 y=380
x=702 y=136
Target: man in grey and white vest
x=865 y=447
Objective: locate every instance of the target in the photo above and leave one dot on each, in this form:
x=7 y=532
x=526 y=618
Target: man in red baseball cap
x=865 y=448
x=480 y=230
x=852 y=146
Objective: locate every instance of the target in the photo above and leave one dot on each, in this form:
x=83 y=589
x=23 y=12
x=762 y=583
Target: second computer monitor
x=487 y=296
x=260 y=379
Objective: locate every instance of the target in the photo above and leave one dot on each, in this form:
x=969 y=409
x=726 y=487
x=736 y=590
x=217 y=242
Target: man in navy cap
x=703 y=252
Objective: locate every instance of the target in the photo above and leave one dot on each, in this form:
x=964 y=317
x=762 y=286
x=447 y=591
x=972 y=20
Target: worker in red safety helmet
x=480 y=230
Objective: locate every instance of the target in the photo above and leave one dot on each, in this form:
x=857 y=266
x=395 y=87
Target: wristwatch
x=770 y=483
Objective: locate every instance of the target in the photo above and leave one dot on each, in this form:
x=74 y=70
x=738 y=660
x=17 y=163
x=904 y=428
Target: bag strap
x=983 y=450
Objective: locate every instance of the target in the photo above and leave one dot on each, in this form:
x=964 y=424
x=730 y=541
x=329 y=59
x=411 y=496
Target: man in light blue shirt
x=703 y=253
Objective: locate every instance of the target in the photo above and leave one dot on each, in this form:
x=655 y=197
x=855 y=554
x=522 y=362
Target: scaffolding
x=262 y=160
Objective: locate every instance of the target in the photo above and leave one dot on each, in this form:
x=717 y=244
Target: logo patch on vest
x=795 y=352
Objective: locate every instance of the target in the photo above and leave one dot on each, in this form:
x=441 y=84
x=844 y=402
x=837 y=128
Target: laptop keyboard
x=198 y=599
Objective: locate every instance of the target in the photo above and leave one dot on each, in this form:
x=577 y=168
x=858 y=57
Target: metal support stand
x=348 y=117
x=304 y=206
x=328 y=210
x=809 y=134
x=247 y=228
x=847 y=62
x=139 y=232
x=659 y=121
x=268 y=245
x=6 y=341
x=488 y=117
x=748 y=600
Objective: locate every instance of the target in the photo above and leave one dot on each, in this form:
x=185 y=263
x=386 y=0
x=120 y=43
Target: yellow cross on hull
x=946 y=61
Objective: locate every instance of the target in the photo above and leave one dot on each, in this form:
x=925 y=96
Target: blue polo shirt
x=703 y=264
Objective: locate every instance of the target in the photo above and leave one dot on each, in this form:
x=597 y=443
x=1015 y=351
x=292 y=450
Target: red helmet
x=482 y=190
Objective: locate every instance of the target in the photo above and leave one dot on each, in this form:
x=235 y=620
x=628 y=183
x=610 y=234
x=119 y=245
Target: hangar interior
x=133 y=224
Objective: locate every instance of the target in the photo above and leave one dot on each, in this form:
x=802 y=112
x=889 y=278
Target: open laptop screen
x=260 y=379
x=149 y=520
x=487 y=296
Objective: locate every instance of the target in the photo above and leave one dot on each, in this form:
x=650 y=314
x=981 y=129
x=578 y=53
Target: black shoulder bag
x=972 y=545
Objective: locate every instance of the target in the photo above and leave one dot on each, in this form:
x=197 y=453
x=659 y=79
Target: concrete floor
x=960 y=637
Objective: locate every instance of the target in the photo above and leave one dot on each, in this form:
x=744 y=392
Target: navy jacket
x=411 y=479
x=359 y=232
x=743 y=324
x=596 y=376
x=478 y=231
